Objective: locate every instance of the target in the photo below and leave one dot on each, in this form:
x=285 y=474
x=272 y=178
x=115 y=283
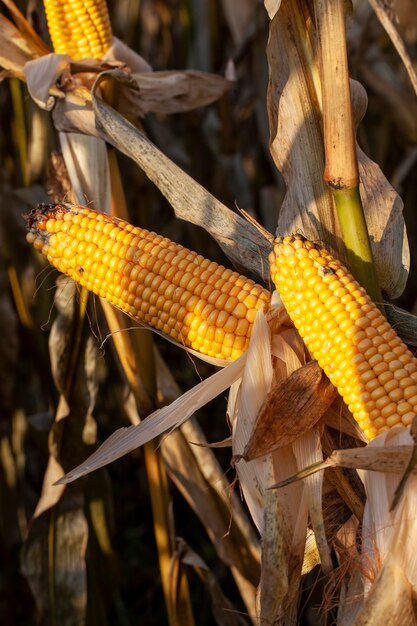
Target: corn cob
x=80 y=28
x=196 y=302
x=373 y=370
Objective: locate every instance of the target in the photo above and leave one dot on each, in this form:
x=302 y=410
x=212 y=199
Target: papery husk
x=245 y=400
x=138 y=92
x=390 y=459
x=392 y=599
x=388 y=545
x=88 y=169
x=292 y=407
x=281 y=517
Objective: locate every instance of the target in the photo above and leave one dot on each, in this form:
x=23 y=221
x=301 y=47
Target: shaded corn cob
x=80 y=28
x=373 y=370
x=196 y=302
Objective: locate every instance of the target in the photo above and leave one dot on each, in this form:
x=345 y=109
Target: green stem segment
x=355 y=236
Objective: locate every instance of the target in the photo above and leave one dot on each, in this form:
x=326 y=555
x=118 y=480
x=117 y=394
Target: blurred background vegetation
x=225 y=147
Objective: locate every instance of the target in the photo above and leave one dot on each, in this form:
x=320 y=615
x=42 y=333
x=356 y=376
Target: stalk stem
x=341 y=172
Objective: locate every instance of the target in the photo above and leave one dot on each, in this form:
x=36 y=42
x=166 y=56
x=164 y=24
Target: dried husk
x=292 y=407
x=392 y=599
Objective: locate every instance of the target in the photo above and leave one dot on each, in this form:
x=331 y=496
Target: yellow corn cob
x=80 y=28
x=373 y=370
x=196 y=302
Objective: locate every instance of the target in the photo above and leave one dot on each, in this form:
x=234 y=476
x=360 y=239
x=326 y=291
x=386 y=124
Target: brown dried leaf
x=165 y=92
x=292 y=407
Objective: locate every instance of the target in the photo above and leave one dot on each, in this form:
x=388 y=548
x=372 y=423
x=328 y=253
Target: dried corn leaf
x=292 y=407
x=120 y=52
x=42 y=74
x=165 y=91
x=387 y=22
x=125 y=440
x=59 y=512
x=297 y=148
x=64 y=567
x=35 y=43
x=15 y=49
x=199 y=477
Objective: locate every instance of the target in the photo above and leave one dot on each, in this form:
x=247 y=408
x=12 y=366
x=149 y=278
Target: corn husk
x=387 y=560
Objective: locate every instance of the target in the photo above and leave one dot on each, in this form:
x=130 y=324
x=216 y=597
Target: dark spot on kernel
x=326 y=270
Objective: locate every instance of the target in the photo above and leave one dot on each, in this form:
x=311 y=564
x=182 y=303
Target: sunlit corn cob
x=352 y=341
x=198 y=303
x=80 y=28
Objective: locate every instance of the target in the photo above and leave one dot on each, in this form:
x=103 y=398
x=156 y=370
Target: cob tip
x=36 y=222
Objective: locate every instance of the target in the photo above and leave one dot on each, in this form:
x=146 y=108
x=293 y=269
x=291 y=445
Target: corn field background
x=162 y=537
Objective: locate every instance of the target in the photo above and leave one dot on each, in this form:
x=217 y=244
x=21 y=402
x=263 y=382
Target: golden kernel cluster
x=373 y=370
x=195 y=301
x=80 y=28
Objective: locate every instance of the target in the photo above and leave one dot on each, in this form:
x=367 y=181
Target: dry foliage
x=285 y=420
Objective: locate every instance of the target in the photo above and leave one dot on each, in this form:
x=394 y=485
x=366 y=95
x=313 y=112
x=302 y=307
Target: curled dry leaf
x=166 y=91
x=296 y=143
x=292 y=407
